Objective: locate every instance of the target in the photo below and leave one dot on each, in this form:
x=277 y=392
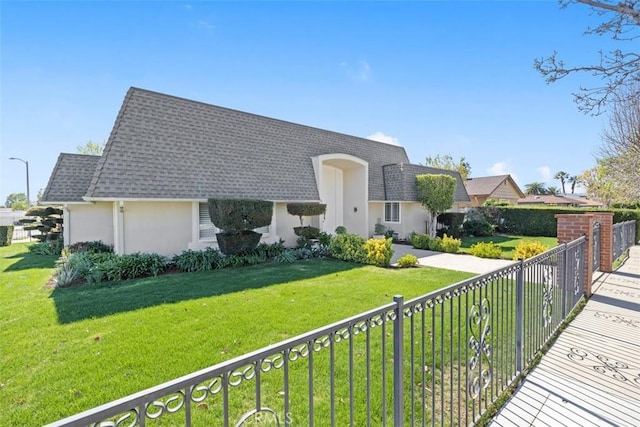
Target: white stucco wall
x=161 y=227
x=86 y=223
x=286 y=222
x=413 y=217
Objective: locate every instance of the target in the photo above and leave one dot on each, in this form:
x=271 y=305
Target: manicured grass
x=507 y=243
x=67 y=350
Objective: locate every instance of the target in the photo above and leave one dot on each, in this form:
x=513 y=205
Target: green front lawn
x=63 y=351
x=507 y=243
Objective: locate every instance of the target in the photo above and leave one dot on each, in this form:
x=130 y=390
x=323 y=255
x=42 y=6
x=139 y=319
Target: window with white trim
x=207 y=231
x=392 y=212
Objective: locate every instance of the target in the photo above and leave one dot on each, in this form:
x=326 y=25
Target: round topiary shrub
x=237 y=218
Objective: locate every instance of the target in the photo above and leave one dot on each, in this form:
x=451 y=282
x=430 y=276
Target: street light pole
x=26 y=163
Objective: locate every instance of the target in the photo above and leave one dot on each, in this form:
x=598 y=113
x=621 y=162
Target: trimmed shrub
x=379 y=229
x=307 y=232
x=306 y=209
x=407 y=260
x=450 y=244
x=435 y=244
x=420 y=241
x=486 y=250
x=379 y=252
x=341 y=229
x=477 y=227
x=240 y=214
x=348 y=247
x=526 y=250
x=46 y=219
x=6 y=235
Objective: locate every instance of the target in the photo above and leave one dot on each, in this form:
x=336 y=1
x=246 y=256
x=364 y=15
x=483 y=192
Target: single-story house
x=499 y=187
x=553 y=200
x=167 y=155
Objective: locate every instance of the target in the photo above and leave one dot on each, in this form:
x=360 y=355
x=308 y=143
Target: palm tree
x=553 y=190
x=562 y=176
x=535 y=188
x=574 y=180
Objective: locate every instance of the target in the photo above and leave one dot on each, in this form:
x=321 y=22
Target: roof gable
x=400 y=182
x=70 y=178
x=167 y=147
x=486 y=185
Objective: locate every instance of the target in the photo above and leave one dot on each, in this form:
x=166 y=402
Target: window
x=392 y=212
x=208 y=230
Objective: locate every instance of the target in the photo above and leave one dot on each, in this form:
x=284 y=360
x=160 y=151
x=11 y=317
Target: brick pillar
x=573 y=226
x=606 y=239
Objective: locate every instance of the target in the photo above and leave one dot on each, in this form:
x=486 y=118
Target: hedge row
x=6 y=234
x=541 y=221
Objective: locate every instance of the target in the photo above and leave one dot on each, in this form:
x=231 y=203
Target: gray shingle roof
x=484 y=185
x=400 y=182
x=167 y=147
x=70 y=178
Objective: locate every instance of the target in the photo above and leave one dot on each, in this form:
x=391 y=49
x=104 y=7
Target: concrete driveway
x=458 y=262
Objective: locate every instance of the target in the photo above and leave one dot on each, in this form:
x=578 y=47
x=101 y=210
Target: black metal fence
x=624 y=235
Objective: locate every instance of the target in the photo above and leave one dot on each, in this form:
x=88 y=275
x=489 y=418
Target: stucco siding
x=286 y=222
x=85 y=223
x=160 y=227
x=414 y=218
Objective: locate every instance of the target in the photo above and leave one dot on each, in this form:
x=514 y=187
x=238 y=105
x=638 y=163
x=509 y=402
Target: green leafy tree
x=562 y=176
x=17 y=201
x=435 y=192
x=536 y=188
x=616 y=70
x=553 y=190
x=599 y=184
x=93 y=148
x=446 y=162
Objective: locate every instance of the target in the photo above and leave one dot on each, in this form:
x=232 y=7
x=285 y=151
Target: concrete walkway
x=458 y=262
x=591 y=375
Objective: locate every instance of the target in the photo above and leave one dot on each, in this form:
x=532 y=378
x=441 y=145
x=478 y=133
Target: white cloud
x=381 y=137
x=360 y=72
x=206 y=26
x=502 y=168
x=545 y=173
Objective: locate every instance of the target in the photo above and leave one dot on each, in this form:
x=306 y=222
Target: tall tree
x=599 y=184
x=574 y=180
x=616 y=69
x=562 y=176
x=93 y=148
x=620 y=149
x=16 y=201
x=435 y=192
x=536 y=188
x=462 y=166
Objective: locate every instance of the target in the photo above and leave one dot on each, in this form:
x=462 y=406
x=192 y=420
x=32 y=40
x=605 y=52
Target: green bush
x=477 y=227
x=486 y=250
x=379 y=229
x=307 y=232
x=306 y=209
x=348 y=247
x=435 y=244
x=240 y=214
x=379 y=252
x=341 y=229
x=94 y=247
x=526 y=250
x=451 y=219
x=47 y=247
x=407 y=260
x=420 y=241
x=46 y=219
x=189 y=261
x=6 y=235
x=450 y=244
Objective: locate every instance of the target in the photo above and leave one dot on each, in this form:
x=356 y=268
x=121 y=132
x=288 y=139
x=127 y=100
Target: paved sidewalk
x=591 y=375
x=459 y=262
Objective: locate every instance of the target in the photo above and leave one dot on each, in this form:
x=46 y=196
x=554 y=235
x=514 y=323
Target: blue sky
x=436 y=77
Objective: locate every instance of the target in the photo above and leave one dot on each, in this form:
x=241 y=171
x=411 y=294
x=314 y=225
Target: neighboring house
x=553 y=200
x=9 y=217
x=166 y=156
x=499 y=187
